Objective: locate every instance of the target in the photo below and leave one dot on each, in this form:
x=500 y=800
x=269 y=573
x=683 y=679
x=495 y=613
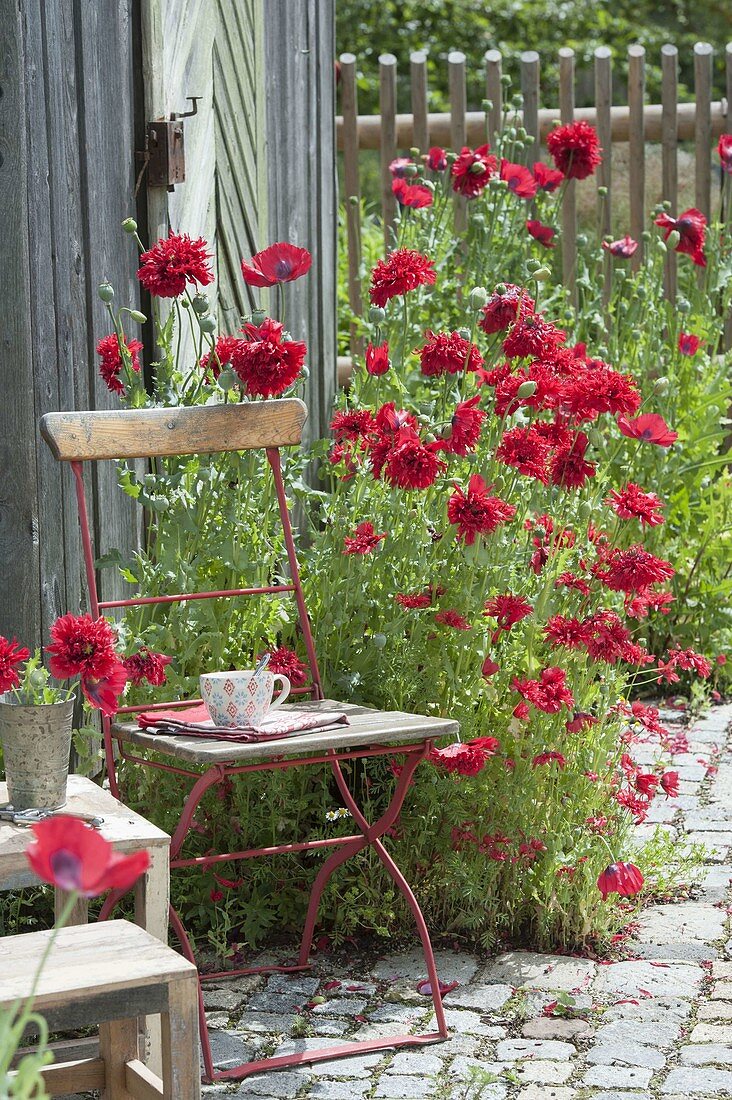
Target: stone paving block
x=551 y=1027
x=715 y=1010
x=707 y=1054
x=340 y=1006
x=404 y=1088
x=360 y=1066
x=642 y=834
x=531 y=970
x=282 y=1003
x=514 y=1050
x=618 y=1077
x=217 y=1021
x=662 y=1032
x=229 y=1049
x=410 y=1062
x=542 y=1072
x=716 y=843
x=716 y=883
x=266 y=1023
x=711 y=1033
x=721 y=991
x=542 y=1092
x=461 y=1069
x=650 y=1009
x=452 y=966
x=460 y=1021
x=715 y=818
x=485 y=997
x=722 y=969
x=692 y=952
x=338 y=1090
x=689 y=920
x=284 y=1083
x=627 y=978
x=222 y=998
x=626 y=1054
x=406 y=1015
x=618 y=1095
x=351 y=989
x=688 y=1081
x=295 y=985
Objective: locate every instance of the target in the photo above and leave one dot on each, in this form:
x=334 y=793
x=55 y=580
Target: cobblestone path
x=657 y=1026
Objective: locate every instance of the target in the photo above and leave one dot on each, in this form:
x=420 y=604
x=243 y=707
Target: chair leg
x=117 y=1046
x=181 y=1070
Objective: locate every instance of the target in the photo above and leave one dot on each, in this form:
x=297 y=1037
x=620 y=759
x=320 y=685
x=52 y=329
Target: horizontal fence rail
x=636 y=123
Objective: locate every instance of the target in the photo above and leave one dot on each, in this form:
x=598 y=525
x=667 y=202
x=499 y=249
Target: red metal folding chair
x=82 y=437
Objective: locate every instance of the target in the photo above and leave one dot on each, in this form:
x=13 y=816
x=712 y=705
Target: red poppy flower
x=634 y=569
x=287 y=663
x=580 y=722
x=220 y=356
x=670 y=784
x=415 y=601
x=476 y=512
x=507 y=610
x=632 y=502
x=81 y=646
x=265 y=362
x=69 y=854
x=620 y=878
x=691 y=227
x=465 y=759
x=11 y=655
x=543 y=758
x=532 y=336
x=689 y=344
x=569 y=633
x=465 y=428
x=649 y=427
x=570 y=580
x=547 y=179
x=595 y=388
x=472 y=170
x=549 y=693
x=146 y=665
x=453 y=618
x=527 y=450
x=724 y=148
x=111 y=365
x=173 y=262
x=437 y=159
x=544 y=234
x=503 y=306
x=568 y=466
x=410 y=463
x=363 y=541
x=103 y=692
x=448 y=352
x=489 y=668
x=519 y=179
x=402 y=270
x=624 y=247
x=280 y=263
x=646 y=783
x=689 y=661
x=377 y=359
x=352 y=424
x=415 y=195
x=398 y=167
x=575 y=149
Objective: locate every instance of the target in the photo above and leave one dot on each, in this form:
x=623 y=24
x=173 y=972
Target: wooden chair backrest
x=147 y=433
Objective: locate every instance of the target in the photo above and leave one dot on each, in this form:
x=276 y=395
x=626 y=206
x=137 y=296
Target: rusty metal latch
x=166 y=163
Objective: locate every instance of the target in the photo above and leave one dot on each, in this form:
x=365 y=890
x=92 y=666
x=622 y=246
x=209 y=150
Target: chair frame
x=82 y=437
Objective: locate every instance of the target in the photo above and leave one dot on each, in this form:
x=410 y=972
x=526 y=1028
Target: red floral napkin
x=194 y=721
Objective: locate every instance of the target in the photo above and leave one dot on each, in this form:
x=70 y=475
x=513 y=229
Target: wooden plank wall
x=66 y=131
x=299 y=38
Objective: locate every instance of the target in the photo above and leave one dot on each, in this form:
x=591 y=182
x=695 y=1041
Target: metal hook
x=194 y=111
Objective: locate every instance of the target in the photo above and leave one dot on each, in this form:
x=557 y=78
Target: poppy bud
x=414 y=151
x=683 y=306
x=478 y=297
x=105 y=292
x=581 y=240
x=542 y=274
x=585 y=509
x=377 y=315
x=208 y=324
x=505 y=80
x=602 y=192
x=185 y=302
x=129 y=225
x=137 y=316
x=227 y=380
x=529 y=139
x=258 y=316
x=526 y=389
x=451 y=157
x=661 y=384
x=501 y=289
x=479 y=220
x=200 y=304
x=533 y=265
x=478 y=169
x=379 y=640
x=673 y=238
x=517 y=100
x=411 y=170
x=518 y=145
x=521 y=134
x=666 y=204
x=646 y=235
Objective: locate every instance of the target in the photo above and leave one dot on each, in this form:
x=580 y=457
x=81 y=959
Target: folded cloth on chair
x=194 y=721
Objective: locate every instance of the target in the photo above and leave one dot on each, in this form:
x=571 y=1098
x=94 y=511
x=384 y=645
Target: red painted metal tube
x=184 y=596
x=275 y=850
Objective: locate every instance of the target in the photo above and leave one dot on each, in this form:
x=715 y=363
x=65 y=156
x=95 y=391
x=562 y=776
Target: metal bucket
x=36 y=743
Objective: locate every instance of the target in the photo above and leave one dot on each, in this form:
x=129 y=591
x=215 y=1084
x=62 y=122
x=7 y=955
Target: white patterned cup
x=238 y=699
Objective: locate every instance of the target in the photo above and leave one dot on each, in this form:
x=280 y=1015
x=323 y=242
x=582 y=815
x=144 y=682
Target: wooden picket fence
x=637 y=123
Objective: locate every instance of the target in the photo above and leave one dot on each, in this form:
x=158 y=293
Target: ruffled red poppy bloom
x=415 y=601
x=624 y=247
x=465 y=428
x=634 y=569
x=403 y=270
x=220 y=355
x=472 y=170
x=649 y=427
x=575 y=149
x=549 y=693
x=111 y=364
x=69 y=854
x=398 y=167
x=568 y=466
x=543 y=758
x=724 y=148
x=465 y=759
x=503 y=306
x=569 y=633
x=631 y=502
x=519 y=179
x=687 y=660
x=544 y=234
x=410 y=463
x=173 y=262
x=691 y=227
x=11 y=655
x=595 y=388
x=689 y=344
x=580 y=722
x=527 y=451
x=448 y=352
x=81 y=646
x=103 y=692
x=453 y=618
x=476 y=512
x=547 y=179
x=287 y=663
x=280 y=263
x=377 y=359
x=646 y=783
x=363 y=541
x=437 y=159
x=415 y=195
x=507 y=610
x=352 y=424
x=620 y=878
x=532 y=336
x=670 y=784
x=266 y=363
x=570 y=580
x=146 y=665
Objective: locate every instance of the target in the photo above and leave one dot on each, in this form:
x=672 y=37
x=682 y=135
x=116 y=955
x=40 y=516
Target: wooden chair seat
x=366 y=727
x=109 y=974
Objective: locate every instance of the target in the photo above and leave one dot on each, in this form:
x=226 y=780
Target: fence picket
x=637 y=149
x=603 y=104
x=418 y=74
x=349 y=106
x=494 y=92
x=458 y=129
x=569 y=202
x=728 y=130
x=669 y=151
x=703 y=61
x=530 y=93
x=387 y=106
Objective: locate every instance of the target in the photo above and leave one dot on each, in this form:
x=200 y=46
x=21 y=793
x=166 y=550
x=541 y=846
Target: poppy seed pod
x=673 y=238
x=105 y=292
x=129 y=225
x=200 y=304
x=377 y=315
x=207 y=324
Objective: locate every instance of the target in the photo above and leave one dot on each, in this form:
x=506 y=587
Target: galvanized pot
x=36 y=744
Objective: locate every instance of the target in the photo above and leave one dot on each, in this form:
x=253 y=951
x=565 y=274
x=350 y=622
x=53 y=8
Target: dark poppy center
x=67 y=868
x=646 y=433
x=283 y=268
